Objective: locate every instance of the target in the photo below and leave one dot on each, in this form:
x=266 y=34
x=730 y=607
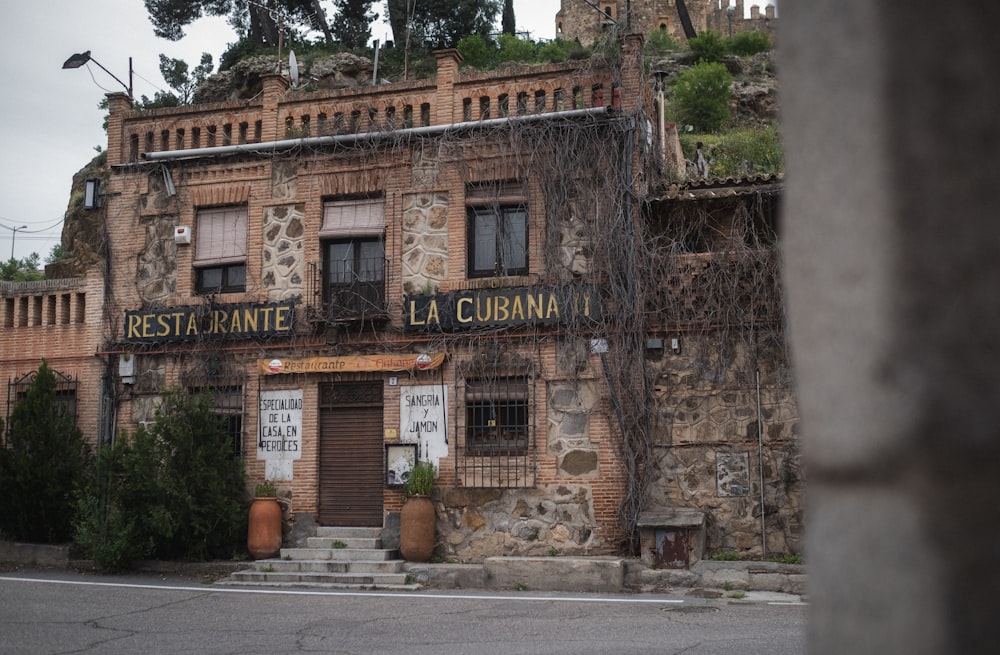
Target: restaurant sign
x=237 y=321
x=476 y=308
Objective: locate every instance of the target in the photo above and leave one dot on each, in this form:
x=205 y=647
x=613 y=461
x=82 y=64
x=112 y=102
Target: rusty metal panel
x=671 y=548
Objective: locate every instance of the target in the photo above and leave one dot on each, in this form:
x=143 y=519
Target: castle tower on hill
x=580 y=20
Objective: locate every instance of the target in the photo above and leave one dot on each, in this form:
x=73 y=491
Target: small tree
x=43 y=462
x=702 y=94
x=748 y=44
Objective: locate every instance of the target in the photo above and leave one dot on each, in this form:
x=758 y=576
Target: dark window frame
x=498 y=417
x=505 y=232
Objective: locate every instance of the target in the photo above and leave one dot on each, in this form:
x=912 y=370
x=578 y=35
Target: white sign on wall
x=423 y=420
x=279 y=432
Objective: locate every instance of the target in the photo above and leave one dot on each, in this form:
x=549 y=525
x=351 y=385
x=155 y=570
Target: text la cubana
x=497 y=307
x=238 y=321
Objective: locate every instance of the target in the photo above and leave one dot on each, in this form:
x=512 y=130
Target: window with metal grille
x=496 y=417
x=221 y=250
x=227 y=402
x=497 y=230
x=354 y=256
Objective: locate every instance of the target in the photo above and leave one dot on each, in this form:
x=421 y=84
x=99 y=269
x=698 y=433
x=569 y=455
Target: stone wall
x=474 y=524
x=577 y=19
x=705 y=428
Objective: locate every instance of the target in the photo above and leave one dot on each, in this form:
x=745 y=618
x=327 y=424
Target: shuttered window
x=343 y=219
x=221 y=250
x=221 y=237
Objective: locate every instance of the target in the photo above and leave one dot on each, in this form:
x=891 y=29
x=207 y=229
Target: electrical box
x=182 y=235
x=126 y=368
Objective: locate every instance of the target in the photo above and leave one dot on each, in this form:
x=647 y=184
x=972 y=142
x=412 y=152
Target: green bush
x=707 y=47
x=44 y=461
x=515 y=49
x=701 y=95
x=477 y=52
x=659 y=41
x=173 y=491
x=748 y=44
x=738 y=152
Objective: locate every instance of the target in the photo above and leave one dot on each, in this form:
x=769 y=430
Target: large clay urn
x=264 y=528
x=416 y=529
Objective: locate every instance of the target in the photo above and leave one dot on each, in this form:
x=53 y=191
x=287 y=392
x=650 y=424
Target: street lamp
x=729 y=16
x=14 y=236
x=82 y=58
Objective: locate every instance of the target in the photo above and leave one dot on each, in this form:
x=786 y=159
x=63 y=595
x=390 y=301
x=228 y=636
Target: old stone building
x=588 y=21
x=504 y=273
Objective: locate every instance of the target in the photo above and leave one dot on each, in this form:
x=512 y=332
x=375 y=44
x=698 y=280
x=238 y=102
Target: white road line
x=361 y=594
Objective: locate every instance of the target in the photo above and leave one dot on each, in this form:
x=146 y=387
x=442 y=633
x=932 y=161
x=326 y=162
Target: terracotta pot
x=416 y=529
x=264 y=528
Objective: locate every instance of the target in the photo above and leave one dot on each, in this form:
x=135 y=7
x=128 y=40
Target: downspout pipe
x=349 y=139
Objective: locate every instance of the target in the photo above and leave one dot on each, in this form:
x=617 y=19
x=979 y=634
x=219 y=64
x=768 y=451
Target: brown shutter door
x=351 y=470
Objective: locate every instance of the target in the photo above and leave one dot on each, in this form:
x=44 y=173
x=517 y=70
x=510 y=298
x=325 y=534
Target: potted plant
x=264 y=525
x=416 y=520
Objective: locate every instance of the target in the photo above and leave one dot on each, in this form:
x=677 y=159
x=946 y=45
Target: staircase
x=336 y=558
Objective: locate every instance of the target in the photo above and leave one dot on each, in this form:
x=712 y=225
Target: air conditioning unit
x=182 y=234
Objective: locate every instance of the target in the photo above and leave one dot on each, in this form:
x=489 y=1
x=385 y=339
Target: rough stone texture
x=705 y=418
x=283 y=263
x=425 y=242
x=156 y=274
x=243 y=80
x=518 y=522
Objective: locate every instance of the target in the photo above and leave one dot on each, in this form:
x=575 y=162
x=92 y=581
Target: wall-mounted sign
x=237 y=321
x=279 y=432
x=423 y=419
x=349 y=363
x=462 y=310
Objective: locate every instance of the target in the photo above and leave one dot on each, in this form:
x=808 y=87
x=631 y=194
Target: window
x=497 y=230
x=354 y=257
x=221 y=250
x=496 y=416
x=354 y=282
x=227 y=403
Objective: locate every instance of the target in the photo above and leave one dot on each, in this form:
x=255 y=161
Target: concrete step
x=348 y=533
x=339 y=554
x=317 y=579
x=327 y=566
x=341 y=543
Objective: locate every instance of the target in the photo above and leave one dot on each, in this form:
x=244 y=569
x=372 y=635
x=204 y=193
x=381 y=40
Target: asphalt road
x=67 y=612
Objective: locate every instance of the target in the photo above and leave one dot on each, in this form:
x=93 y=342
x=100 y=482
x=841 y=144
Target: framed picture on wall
x=399 y=461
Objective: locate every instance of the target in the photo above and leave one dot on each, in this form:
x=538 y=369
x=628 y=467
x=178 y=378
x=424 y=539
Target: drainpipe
x=760 y=461
x=348 y=139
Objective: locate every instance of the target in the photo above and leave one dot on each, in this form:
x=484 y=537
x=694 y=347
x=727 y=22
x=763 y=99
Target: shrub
x=702 y=95
x=739 y=152
x=748 y=44
x=515 y=49
x=660 y=41
x=477 y=52
x=44 y=460
x=173 y=491
x=707 y=47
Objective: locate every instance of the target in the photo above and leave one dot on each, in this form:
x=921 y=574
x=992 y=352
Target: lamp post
x=13 y=236
x=82 y=58
x=729 y=17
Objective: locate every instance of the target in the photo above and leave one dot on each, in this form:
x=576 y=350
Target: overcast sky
x=50 y=121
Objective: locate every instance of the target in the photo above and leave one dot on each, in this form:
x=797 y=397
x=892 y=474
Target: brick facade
x=421 y=152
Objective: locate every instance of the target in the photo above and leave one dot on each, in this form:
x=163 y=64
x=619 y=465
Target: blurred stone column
x=892 y=265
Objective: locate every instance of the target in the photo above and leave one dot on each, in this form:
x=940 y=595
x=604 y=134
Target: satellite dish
x=293 y=68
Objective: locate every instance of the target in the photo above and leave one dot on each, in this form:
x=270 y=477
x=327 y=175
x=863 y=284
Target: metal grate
x=495 y=426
